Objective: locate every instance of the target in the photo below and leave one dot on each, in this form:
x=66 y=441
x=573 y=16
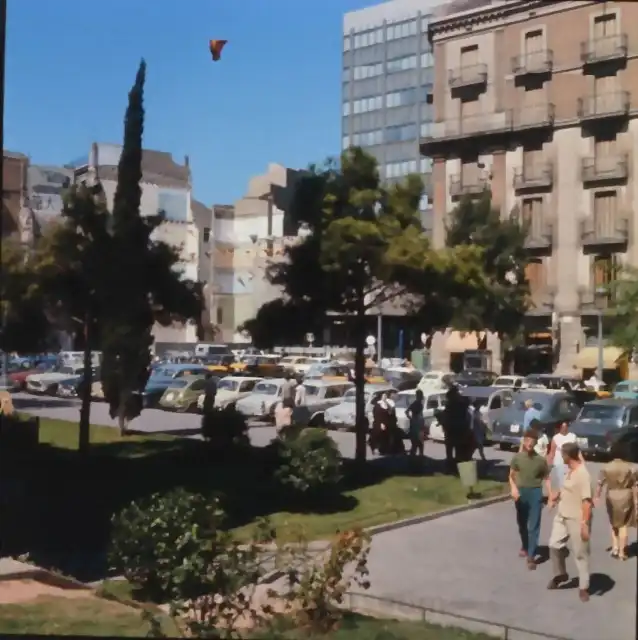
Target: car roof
x=479 y=392
x=273 y=380
x=614 y=402
x=181 y=366
x=238 y=378
x=322 y=382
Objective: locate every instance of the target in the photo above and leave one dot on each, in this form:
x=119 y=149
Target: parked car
x=297 y=364
x=183 y=393
x=319 y=395
x=177 y=370
x=436 y=380
x=555 y=407
x=18 y=374
x=403 y=379
x=164 y=377
x=552 y=381
x=47 y=383
x=627 y=389
x=329 y=371
x=509 y=382
x=601 y=422
x=432 y=402
x=475 y=378
x=71 y=388
x=342 y=415
x=261 y=402
x=229 y=390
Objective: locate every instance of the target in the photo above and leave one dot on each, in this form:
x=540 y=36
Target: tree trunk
x=361 y=428
x=85 y=388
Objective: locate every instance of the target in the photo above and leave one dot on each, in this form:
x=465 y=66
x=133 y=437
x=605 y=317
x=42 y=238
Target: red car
x=19 y=377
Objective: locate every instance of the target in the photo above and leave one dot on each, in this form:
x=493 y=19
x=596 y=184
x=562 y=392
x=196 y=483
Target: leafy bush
x=225 y=428
x=310 y=461
x=152 y=538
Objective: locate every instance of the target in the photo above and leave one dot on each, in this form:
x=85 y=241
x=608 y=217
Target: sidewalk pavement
x=468 y=564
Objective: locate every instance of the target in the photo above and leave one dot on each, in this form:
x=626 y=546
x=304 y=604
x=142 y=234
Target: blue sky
x=274 y=97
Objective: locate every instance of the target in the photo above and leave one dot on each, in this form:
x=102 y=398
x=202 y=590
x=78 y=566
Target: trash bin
x=468 y=474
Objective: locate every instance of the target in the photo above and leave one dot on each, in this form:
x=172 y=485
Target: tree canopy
x=505 y=300
x=364 y=247
x=624 y=294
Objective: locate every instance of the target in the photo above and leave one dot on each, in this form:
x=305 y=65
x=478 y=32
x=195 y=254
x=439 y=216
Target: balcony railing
x=542 y=300
x=606 y=105
x=540 y=176
x=469 y=126
x=473 y=75
x=534 y=116
x=604 y=231
x=613 y=47
x=533 y=63
x=595 y=299
x=605 y=168
x=467 y=185
x=540 y=233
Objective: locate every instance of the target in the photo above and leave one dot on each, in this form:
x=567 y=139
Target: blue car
x=163 y=376
x=627 y=389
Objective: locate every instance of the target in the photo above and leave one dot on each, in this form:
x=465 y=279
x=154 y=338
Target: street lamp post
x=601 y=352
x=3 y=42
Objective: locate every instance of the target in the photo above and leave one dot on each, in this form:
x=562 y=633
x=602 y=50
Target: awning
x=457 y=342
x=588 y=358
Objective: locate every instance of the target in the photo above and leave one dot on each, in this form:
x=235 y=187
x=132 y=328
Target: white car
x=47 y=383
x=298 y=364
x=435 y=381
x=318 y=396
x=229 y=390
x=342 y=415
x=509 y=382
x=261 y=402
x=432 y=402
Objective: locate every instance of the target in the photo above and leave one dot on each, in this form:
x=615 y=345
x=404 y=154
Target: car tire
x=317 y=421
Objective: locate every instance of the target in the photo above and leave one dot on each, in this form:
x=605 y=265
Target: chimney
x=186 y=161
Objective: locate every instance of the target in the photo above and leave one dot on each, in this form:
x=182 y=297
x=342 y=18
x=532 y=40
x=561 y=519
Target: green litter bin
x=468 y=474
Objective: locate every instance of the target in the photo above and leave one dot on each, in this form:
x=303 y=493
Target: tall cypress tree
x=127 y=334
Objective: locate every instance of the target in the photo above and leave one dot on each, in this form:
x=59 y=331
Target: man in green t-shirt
x=528 y=472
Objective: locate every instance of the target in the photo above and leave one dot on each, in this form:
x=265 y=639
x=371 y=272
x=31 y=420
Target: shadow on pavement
x=600 y=584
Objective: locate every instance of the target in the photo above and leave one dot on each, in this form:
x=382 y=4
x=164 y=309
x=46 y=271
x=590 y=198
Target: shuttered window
x=605 y=213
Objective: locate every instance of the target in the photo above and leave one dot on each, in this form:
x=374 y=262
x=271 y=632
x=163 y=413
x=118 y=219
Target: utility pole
x=3 y=46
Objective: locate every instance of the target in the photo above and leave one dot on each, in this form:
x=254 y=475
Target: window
x=400 y=169
x=368 y=138
x=427 y=60
x=425 y=23
x=605 y=25
x=345 y=110
x=531 y=160
x=206 y=234
x=198 y=385
x=401 y=98
x=425 y=165
x=469 y=173
x=605 y=205
x=401 y=133
x=535 y=274
x=424 y=92
x=363 y=71
x=247 y=385
x=432 y=403
x=220 y=315
x=401 y=64
x=346 y=43
x=469 y=55
x=173 y=204
x=346 y=74
x=334 y=392
x=532 y=210
x=345 y=142
x=368 y=38
x=401 y=30
x=533 y=42
x=364 y=105
x=426 y=130
x=604 y=271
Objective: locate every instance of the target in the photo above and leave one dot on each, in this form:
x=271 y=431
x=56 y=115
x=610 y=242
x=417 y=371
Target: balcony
x=613 y=168
x=474 y=75
x=533 y=177
x=537 y=63
x=540 y=234
x=467 y=185
x=605 y=106
x=609 y=233
x=540 y=116
x=594 y=300
x=597 y=50
x=459 y=128
x=542 y=301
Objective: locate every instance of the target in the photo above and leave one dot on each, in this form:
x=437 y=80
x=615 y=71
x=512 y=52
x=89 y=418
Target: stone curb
x=391 y=609
x=11 y=569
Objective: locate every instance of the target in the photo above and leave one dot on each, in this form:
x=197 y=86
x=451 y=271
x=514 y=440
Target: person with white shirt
x=555 y=456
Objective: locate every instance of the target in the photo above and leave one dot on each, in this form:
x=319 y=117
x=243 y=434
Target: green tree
x=25 y=325
x=365 y=247
x=624 y=294
x=502 y=307
x=145 y=285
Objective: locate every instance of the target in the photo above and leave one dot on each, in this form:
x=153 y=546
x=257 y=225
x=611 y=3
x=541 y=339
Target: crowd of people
x=555 y=473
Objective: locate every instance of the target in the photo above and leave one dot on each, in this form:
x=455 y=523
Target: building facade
x=538 y=101
x=245 y=237
x=166 y=187
x=14 y=176
x=388 y=74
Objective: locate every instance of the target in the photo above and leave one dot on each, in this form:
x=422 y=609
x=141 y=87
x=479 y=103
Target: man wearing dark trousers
x=528 y=472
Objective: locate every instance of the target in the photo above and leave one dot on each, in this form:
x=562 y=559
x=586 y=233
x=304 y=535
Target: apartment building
x=14 y=172
x=166 y=186
x=246 y=237
x=538 y=101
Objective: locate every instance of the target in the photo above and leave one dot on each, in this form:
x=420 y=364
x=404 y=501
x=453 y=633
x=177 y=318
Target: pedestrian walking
x=555 y=458
x=418 y=435
x=288 y=387
x=531 y=413
x=572 y=523
x=381 y=437
x=528 y=473
x=455 y=423
x=283 y=414
x=210 y=392
x=479 y=428
x=618 y=477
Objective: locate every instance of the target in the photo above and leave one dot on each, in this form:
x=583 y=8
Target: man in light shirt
x=531 y=413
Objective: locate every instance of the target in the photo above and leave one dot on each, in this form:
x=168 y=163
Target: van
x=204 y=349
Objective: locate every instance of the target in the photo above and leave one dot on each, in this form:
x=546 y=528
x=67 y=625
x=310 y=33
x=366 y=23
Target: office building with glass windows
x=388 y=74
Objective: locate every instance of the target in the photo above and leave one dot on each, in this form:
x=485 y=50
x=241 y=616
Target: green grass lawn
x=68 y=500
x=99 y=617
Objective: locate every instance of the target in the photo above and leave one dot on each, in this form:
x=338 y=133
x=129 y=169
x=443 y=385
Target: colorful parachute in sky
x=216 y=47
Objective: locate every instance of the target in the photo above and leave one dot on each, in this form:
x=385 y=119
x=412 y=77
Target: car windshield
x=178 y=384
x=374 y=372
x=504 y=381
x=599 y=413
x=266 y=388
x=311 y=390
x=431 y=376
x=404 y=400
x=228 y=385
x=350 y=396
x=72 y=371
